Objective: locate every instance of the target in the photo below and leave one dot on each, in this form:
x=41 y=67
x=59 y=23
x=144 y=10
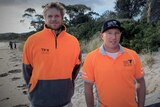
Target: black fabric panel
x=52 y=93
x=27 y=72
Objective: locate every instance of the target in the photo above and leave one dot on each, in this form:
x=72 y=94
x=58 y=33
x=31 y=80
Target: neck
x=111 y=50
x=57 y=31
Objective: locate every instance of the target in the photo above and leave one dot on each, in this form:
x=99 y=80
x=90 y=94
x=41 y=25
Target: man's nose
x=53 y=18
x=114 y=35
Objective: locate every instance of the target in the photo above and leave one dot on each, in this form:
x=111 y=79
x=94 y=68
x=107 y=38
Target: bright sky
x=11 y=11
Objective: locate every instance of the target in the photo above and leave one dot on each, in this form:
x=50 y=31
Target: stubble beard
x=54 y=29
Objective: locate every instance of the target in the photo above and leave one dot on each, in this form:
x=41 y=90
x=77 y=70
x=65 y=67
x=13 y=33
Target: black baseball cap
x=109 y=24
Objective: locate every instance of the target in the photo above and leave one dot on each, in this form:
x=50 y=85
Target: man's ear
x=101 y=35
x=44 y=17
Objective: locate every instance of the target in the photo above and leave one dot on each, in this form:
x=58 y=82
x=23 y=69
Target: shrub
x=148 y=60
x=93 y=43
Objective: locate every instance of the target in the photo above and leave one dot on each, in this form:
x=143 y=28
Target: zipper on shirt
x=56 y=41
x=56 y=37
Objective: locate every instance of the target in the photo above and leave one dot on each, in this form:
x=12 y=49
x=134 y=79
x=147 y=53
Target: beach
x=13 y=91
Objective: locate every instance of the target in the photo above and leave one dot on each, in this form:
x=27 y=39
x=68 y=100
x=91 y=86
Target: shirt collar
x=62 y=28
x=103 y=52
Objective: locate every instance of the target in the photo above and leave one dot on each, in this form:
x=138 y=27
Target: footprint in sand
x=15 y=65
x=21 y=105
x=15 y=78
x=14 y=54
x=15 y=71
x=13 y=59
x=25 y=92
x=5 y=99
x=22 y=86
x=4 y=75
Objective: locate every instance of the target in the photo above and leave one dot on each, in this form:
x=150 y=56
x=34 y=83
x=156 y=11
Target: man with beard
x=51 y=61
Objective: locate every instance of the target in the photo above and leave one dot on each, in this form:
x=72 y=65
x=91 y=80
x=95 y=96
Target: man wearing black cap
x=115 y=70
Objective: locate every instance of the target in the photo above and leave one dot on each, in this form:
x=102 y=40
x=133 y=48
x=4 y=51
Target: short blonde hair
x=56 y=5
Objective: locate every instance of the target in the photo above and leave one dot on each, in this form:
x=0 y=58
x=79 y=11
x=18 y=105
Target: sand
x=12 y=85
x=13 y=92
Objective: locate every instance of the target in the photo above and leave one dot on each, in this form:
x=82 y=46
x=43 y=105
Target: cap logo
x=112 y=23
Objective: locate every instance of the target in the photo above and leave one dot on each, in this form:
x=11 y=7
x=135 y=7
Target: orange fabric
x=114 y=78
x=48 y=62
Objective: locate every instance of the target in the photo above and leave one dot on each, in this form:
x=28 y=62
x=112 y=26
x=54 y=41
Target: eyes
x=53 y=16
x=113 y=33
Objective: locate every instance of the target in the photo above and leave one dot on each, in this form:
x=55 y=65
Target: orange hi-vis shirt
x=114 y=78
x=51 y=58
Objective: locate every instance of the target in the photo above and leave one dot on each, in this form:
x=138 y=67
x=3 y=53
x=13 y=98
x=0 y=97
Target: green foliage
x=129 y=8
x=15 y=36
x=76 y=9
x=84 y=24
x=141 y=35
x=93 y=43
x=85 y=30
x=78 y=14
x=9 y=36
x=109 y=15
x=148 y=60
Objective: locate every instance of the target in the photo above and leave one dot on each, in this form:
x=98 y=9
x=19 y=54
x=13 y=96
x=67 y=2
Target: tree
x=77 y=9
x=78 y=14
x=129 y=8
x=79 y=19
x=153 y=10
x=35 y=20
x=107 y=15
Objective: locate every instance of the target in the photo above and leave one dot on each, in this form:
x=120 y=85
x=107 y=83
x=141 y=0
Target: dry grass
x=148 y=60
x=95 y=42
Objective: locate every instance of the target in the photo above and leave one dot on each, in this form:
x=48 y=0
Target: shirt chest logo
x=44 y=51
x=128 y=62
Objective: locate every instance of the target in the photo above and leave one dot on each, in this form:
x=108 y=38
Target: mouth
x=113 y=42
x=55 y=23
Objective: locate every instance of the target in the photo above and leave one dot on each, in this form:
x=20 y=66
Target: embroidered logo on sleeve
x=84 y=74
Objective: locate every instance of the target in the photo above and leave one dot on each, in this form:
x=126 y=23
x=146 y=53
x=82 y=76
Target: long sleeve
x=27 y=72
x=27 y=63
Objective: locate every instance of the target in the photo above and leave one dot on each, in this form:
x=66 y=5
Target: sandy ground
x=13 y=92
x=12 y=86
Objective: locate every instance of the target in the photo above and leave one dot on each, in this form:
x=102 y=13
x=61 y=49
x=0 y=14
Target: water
x=4 y=45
